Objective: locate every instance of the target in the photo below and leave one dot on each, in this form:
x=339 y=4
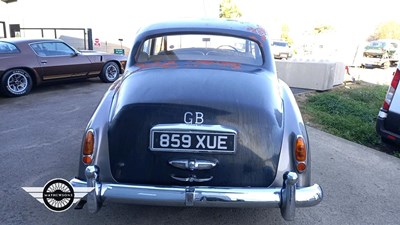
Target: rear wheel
x=110 y=72
x=16 y=82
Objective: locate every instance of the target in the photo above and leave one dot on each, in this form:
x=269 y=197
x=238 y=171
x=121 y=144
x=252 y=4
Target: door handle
x=44 y=61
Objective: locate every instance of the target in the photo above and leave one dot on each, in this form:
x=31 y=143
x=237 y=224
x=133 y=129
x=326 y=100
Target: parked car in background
x=199 y=118
x=388 y=122
x=25 y=63
x=381 y=53
x=281 y=49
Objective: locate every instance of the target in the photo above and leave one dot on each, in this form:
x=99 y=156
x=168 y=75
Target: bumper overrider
x=287 y=198
x=380 y=128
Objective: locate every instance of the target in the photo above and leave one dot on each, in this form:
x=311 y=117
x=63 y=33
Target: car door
x=59 y=61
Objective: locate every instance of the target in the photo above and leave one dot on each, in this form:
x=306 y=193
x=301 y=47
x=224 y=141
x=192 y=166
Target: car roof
x=20 y=40
x=201 y=23
x=222 y=26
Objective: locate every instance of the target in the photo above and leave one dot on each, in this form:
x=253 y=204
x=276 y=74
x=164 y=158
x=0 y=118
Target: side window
x=7 y=48
x=158 y=45
x=38 y=49
x=52 y=49
x=146 y=47
x=150 y=48
x=63 y=49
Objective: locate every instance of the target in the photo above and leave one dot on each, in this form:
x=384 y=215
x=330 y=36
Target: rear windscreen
x=192 y=47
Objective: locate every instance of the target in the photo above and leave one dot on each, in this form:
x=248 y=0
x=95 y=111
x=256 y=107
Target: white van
x=388 y=122
x=281 y=49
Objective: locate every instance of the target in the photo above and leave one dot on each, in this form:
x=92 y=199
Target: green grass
x=348 y=112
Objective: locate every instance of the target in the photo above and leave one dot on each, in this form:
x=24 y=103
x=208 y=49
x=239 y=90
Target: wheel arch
x=121 y=69
x=34 y=75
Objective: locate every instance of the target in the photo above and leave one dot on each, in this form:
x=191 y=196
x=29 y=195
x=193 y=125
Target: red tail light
x=392 y=89
x=300 y=154
x=88 y=147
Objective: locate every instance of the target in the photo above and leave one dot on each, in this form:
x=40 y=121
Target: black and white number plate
x=189 y=138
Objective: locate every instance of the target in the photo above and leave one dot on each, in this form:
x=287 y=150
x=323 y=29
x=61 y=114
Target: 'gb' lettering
x=199 y=118
x=196 y=118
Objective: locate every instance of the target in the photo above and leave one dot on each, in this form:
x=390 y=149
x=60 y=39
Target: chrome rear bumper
x=287 y=198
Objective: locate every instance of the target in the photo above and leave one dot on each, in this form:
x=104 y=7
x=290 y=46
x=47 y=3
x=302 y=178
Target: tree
x=228 y=9
x=322 y=29
x=285 y=34
x=388 y=30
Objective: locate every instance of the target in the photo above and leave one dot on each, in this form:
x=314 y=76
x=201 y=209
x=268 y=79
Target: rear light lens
x=391 y=137
x=301 y=167
x=87 y=159
x=391 y=90
x=396 y=78
x=88 y=147
x=300 y=154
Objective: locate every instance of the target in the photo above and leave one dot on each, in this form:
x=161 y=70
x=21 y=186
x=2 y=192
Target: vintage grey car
x=199 y=118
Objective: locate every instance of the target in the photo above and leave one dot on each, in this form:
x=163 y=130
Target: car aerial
x=388 y=122
x=25 y=63
x=199 y=118
x=281 y=49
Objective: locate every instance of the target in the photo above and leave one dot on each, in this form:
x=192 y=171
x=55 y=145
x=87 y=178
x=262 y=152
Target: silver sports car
x=199 y=118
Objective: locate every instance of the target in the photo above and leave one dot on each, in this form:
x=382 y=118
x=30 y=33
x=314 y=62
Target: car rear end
x=199 y=120
x=388 y=122
x=160 y=132
x=212 y=145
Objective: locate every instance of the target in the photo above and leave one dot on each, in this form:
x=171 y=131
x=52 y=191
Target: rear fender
x=99 y=125
x=293 y=127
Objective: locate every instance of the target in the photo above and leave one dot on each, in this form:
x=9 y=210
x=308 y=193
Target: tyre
x=16 y=82
x=110 y=72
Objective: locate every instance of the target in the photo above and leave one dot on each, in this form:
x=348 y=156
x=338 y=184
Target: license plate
x=192 y=141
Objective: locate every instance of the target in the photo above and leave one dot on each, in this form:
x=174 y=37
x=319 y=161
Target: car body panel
x=395 y=106
x=392 y=121
x=185 y=100
x=65 y=66
x=388 y=121
x=139 y=108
